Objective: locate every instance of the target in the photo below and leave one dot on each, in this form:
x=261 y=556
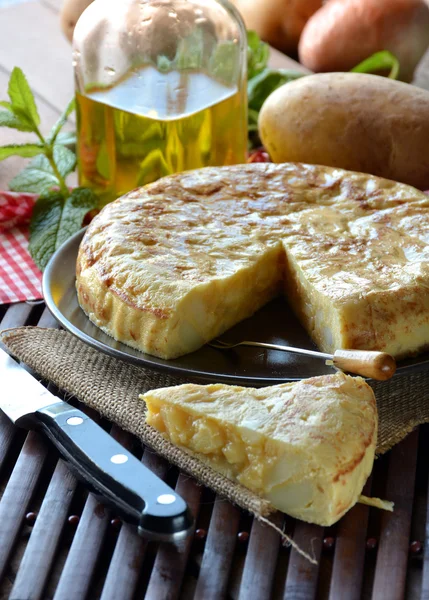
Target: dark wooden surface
x=238 y=558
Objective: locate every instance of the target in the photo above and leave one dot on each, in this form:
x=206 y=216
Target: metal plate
x=275 y=323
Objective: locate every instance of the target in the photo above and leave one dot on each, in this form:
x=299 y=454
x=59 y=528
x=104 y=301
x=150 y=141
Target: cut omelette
x=170 y=266
x=307 y=447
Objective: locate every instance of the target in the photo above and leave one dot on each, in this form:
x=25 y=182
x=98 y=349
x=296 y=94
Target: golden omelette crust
x=307 y=447
x=172 y=265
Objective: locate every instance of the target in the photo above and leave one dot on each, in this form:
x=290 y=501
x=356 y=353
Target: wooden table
x=77 y=549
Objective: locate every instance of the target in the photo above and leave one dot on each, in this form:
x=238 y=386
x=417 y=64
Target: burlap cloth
x=112 y=387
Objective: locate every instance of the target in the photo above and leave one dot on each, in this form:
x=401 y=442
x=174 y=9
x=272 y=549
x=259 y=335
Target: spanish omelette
x=170 y=266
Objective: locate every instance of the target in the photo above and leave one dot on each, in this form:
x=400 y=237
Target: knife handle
x=132 y=489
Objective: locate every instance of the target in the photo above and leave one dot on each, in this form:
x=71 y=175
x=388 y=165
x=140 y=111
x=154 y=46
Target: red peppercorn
x=371 y=543
x=416 y=547
x=328 y=543
x=243 y=537
x=258 y=156
x=30 y=518
x=74 y=520
x=89 y=216
x=200 y=534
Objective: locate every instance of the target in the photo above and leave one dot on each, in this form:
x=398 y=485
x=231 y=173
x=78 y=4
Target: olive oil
x=151 y=124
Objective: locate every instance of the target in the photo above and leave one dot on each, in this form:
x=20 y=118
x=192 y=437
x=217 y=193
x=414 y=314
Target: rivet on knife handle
x=116 y=474
x=376 y=365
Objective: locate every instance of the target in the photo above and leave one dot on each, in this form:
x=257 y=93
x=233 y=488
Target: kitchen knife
x=136 y=493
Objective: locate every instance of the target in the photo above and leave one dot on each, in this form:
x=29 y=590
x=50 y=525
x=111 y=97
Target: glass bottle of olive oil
x=160 y=88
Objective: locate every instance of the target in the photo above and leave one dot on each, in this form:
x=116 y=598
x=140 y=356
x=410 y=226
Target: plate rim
x=128 y=357
x=243 y=380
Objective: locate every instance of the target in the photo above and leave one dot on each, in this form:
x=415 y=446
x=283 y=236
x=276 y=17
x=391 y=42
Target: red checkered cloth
x=15 y=209
x=20 y=279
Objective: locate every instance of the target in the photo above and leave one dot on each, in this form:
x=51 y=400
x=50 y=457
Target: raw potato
x=70 y=13
x=353 y=121
x=278 y=22
x=345 y=32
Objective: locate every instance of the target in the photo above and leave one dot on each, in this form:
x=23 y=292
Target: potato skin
x=278 y=22
x=353 y=121
x=69 y=15
x=344 y=32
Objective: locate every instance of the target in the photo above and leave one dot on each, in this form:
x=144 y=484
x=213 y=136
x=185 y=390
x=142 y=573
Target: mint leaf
x=252 y=118
x=66 y=138
x=154 y=166
x=9 y=119
x=76 y=207
x=44 y=227
x=5 y=104
x=37 y=177
x=65 y=159
x=190 y=51
x=61 y=122
x=264 y=84
x=22 y=99
x=54 y=220
x=380 y=61
x=258 y=90
x=25 y=150
x=258 y=54
x=103 y=163
x=224 y=63
x=163 y=64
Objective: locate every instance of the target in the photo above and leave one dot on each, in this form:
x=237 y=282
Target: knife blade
x=106 y=467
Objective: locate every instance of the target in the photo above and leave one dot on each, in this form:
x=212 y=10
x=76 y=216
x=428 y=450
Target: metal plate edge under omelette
x=274 y=323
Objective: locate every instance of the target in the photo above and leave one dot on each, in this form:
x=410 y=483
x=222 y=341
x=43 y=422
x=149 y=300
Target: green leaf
x=37 y=177
x=76 y=207
x=163 y=64
x=66 y=138
x=61 y=122
x=22 y=99
x=6 y=104
x=25 y=150
x=102 y=163
x=45 y=222
x=224 y=62
x=380 y=61
x=9 y=119
x=258 y=90
x=253 y=120
x=258 y=54
x=55 y=219
x=153 y=167
x=264 y=84
x=65 y=159
x=190 y=51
